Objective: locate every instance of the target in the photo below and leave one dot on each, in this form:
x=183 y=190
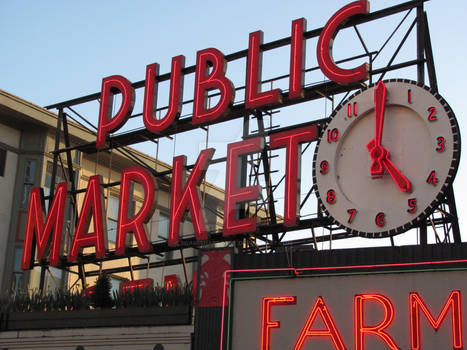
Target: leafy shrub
x=101 y=297
x=59 y=300
x=23 y=301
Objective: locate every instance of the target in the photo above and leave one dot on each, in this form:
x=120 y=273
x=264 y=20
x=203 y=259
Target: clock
x=386 y=157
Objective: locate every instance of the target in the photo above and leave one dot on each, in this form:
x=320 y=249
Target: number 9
x=324 y=167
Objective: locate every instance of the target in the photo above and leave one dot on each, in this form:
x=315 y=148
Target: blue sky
x=57 y=50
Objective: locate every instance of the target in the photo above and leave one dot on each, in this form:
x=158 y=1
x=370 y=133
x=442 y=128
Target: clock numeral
x=380 y=219
x=441 y=144
x=333 y=135
x=352 y=213
x=412 y=205
x=409 y=96
x=324 y=167
x=432 y=179
x=331 y=197
x=351 y=109
x=432 y=117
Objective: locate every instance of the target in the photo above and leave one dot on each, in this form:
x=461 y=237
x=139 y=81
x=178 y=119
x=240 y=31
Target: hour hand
x=380 y=157
x=401 y=181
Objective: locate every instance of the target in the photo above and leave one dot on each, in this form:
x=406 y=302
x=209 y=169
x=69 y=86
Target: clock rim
x=428 y=210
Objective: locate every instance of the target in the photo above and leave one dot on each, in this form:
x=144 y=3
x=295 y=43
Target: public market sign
x=44 y=231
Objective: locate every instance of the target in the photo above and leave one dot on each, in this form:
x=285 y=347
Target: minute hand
x=374 y=146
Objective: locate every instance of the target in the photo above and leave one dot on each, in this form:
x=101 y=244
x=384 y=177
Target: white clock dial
x=377 y=193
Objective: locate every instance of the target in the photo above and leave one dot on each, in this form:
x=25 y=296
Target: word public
x=210 y=75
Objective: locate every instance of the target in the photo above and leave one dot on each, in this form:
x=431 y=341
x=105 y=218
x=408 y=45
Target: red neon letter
x=136 y=223
x=187 y=196
x=291 y=140
x=205 y=83
x=110 y=86
x=454 y=302
x=35 y=225
x=330 y=331
x=175 y=99
x=297 y=59
x=235 y=194
x=253 y=95
x=324 y=52
x=378 y=330
x=266 y=323
x=92 y=205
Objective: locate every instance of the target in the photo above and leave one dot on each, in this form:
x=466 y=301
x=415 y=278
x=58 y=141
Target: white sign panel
x=406 y=310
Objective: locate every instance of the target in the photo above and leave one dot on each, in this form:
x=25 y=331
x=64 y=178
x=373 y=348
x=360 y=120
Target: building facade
x=28 y=134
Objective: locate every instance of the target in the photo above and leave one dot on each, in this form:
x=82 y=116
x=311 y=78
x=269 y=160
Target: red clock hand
x=374 y=146
x=402 y=182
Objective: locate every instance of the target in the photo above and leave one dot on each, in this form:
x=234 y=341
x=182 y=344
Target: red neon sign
x=454 y=303
x=234 y=193
x=331 y=331
x=110 y=86
x=170 y=281
x=324 y=50
x=136 y=223
x=253 y=96
x=360 y=327
x=188 y=197
x=92 y=206
x=378 y=330
x=291 y=140
x=214 y=81
x=175 y=99
x=210 y=75
x=131 y=286
x=266 y=323
x=35 y=226
x=297 y=59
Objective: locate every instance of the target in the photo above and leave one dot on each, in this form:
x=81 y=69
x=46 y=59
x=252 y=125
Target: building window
x=158 y=231
x=54 y=279
x=163 y=227
x=158 y=227
x=112 y=219
x=18 y=274
x=77 y=157
x=2 y=162
x=30 y=173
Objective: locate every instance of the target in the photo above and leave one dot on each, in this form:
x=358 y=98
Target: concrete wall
x=9 y=137
x=116 y=338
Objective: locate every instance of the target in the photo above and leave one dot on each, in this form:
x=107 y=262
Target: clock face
x=386 y=157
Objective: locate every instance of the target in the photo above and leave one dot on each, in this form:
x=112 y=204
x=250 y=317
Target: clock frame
x=380 y=197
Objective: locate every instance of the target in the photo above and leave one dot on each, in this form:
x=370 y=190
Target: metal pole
x=456 y=233
x=420 y=44
x=242 y=209
x=52 y=182
x=430 y=63
x=267 y=178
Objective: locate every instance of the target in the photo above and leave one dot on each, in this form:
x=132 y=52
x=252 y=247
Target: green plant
x=101 y=296
x=59 y=300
